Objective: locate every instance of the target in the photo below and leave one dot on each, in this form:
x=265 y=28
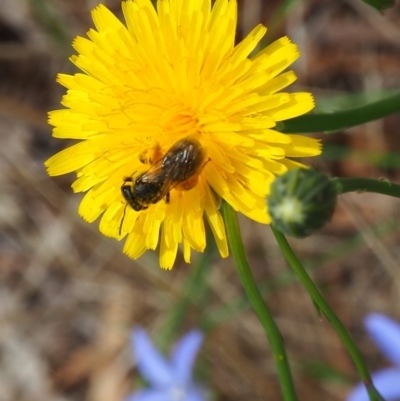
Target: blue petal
x=386 y=334
x=386 y=381
x=149 y=395
x=151 y=364
x=195 y=394
x=184 y=354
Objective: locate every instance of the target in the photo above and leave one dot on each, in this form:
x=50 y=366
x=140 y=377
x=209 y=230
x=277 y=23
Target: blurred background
x=69 y=297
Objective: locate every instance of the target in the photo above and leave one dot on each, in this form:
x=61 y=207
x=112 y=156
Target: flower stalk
x=260 y=308
x=353 y=184
x=323 y=306
x=385 y=333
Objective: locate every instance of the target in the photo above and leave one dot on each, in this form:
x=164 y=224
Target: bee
x=179 y=167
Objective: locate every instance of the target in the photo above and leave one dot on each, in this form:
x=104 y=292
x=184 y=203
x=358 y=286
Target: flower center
x=177 y=392
x=180 y=124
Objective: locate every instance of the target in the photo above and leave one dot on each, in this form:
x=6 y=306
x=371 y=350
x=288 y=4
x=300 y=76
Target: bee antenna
x=122 y=220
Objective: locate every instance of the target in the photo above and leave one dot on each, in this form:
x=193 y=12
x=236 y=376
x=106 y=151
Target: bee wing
x=183 y=161
x=167 y=170
x=158 y=174
x=155 y=174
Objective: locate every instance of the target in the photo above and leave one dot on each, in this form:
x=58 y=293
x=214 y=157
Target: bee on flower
x=172 y=116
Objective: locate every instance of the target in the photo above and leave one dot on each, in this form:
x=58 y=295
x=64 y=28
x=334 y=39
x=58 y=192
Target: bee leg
x=122 y=220
x=157 y=155
x=167 y=198
x=190 y=183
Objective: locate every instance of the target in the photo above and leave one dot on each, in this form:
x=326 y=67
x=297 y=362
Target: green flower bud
x=301 y=201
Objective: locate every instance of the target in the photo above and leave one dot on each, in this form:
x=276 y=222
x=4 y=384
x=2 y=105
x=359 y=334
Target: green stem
x=323 y=306
x=384 y=187
x=338 y=120
x=264 y=315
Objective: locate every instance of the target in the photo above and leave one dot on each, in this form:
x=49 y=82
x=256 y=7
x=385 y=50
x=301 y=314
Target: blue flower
x=386 y=334
x=170 y=380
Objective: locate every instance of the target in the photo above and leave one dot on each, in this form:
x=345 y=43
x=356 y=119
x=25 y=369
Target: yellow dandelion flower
x=172 y=116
